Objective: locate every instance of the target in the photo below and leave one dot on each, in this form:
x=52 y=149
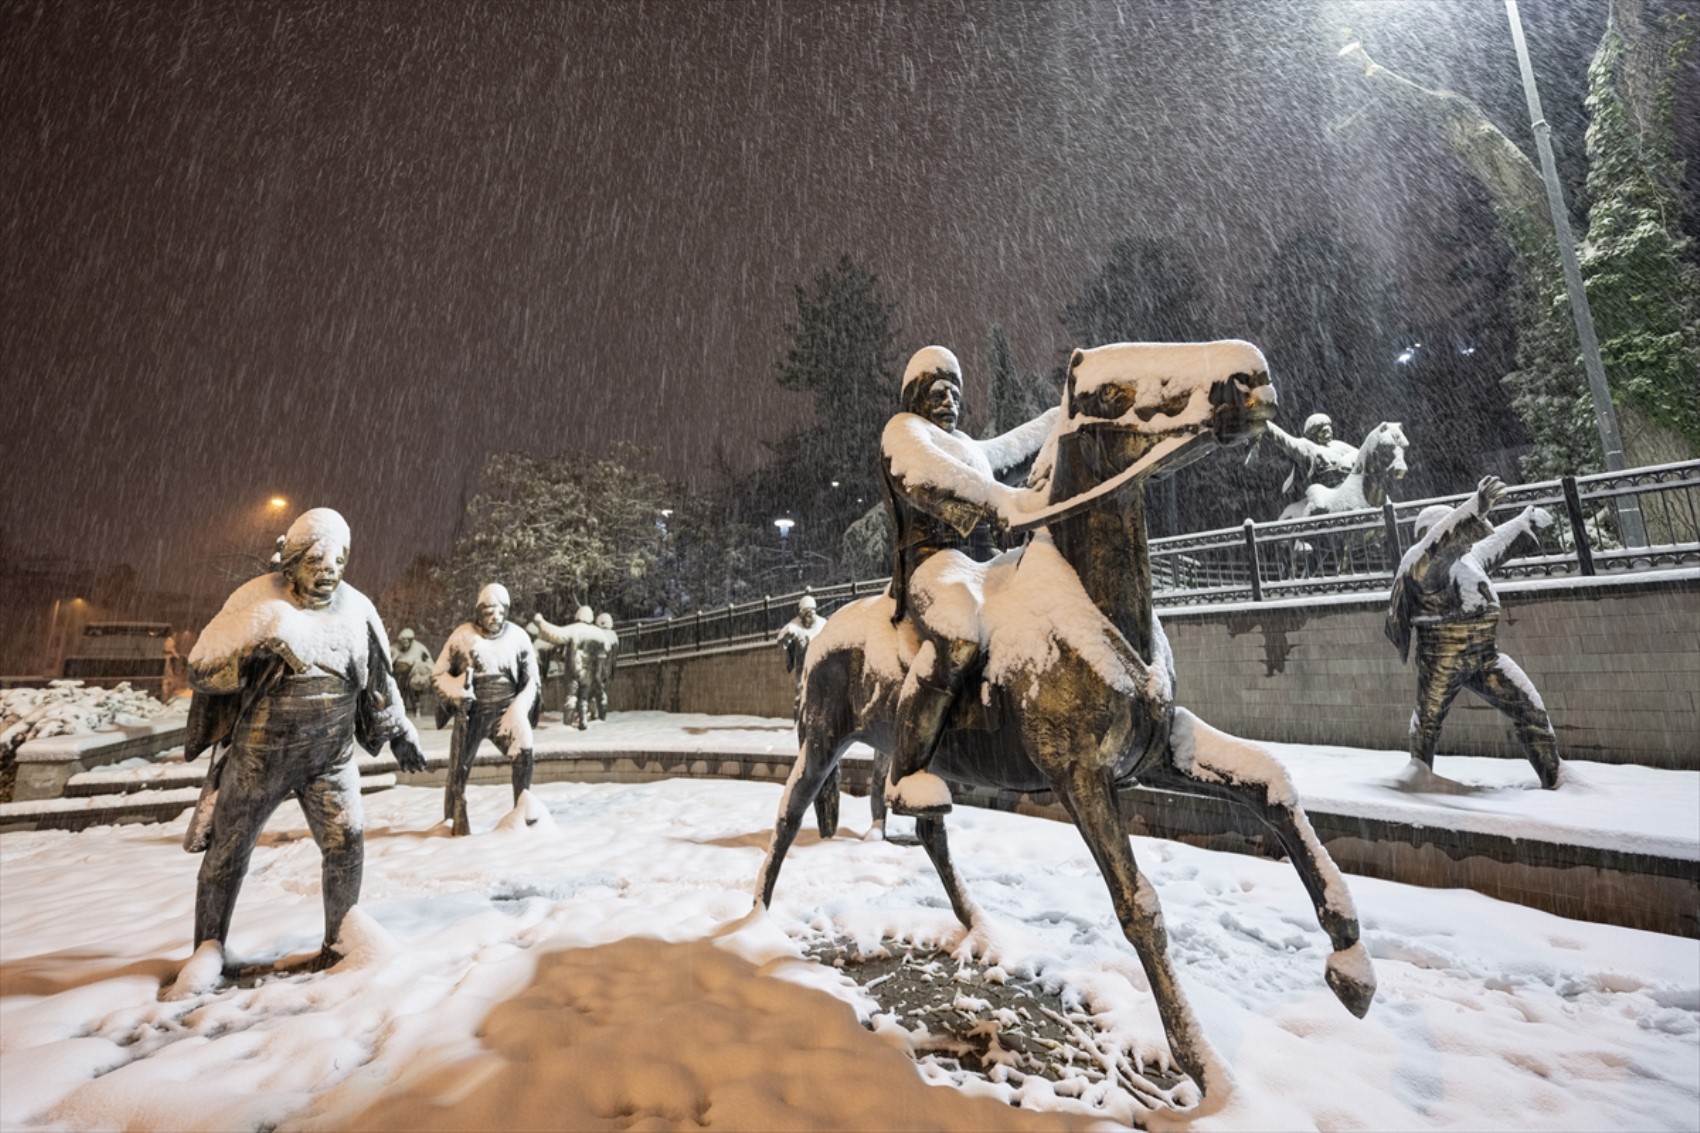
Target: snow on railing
x=1344 y=553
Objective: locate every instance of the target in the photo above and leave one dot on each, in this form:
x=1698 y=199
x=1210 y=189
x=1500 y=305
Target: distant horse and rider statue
x=1044 y=668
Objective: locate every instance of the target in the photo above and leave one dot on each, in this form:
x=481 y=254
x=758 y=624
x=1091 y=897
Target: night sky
x=343 y=252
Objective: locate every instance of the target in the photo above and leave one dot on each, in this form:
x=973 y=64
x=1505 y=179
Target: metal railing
x=1343 y=553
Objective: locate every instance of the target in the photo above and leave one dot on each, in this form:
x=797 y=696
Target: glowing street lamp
x=785 y=526
x=277 y=503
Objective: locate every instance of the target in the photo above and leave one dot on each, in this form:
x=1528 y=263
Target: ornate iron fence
x=1344 y=553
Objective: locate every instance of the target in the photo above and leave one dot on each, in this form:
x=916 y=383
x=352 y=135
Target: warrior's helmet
x=1427 y=518
x=925 y=364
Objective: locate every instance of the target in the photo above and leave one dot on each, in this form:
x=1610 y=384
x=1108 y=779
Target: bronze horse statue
x=1077 y=692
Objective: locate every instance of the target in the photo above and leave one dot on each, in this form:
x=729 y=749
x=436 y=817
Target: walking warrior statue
x=794 y=637
x=580 y=646
x=1443 y=593
x=412 y=669
x=288 y=677
x=486 y=678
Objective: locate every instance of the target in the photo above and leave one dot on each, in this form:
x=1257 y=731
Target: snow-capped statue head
x=585 y=614
x=406 y=636
x=806 y=609
x=604 y=621
x=491 y=613
x=1319 y=427
x=1427 y=518
x=932 y=386
x=313 y=554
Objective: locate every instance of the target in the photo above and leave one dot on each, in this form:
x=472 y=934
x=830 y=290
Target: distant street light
x=277 y=503
x=785 y=526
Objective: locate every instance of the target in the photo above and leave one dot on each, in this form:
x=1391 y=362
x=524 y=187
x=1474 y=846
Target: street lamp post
x=1605 y=416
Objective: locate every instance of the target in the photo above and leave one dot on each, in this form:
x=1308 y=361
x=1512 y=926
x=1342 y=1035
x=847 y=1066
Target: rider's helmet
x=925 y=364
x=407 y=635
x=807 y=602
x=1428 y=517
x=1317 y=421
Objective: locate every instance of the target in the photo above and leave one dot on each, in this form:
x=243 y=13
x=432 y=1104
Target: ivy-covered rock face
x=1642 y=286
x=1643 y=289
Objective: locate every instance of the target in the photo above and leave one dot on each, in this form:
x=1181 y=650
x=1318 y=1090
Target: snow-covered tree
x=560 y=531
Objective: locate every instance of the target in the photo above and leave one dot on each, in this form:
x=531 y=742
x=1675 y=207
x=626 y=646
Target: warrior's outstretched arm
x=1496 y=548
x=1009 y=449
x=1298 y=450
x=552 y=633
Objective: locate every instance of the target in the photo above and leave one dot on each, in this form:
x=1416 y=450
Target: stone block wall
x=1617 y=663
x=750 y=682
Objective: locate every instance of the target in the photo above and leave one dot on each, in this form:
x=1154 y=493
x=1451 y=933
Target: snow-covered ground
x=1601 y=805
x=600 y=970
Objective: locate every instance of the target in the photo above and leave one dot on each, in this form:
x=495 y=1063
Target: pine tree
x=843 y=352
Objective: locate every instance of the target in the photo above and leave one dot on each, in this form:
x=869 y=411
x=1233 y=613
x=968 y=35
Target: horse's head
x=1167 y=403
x=1381 y=457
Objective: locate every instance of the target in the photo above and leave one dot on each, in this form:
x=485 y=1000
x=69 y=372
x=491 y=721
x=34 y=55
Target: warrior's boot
x=1541 y=746
x=921 y=719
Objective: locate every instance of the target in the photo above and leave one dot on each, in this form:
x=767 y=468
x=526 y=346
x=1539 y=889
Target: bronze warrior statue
x=1443 y=596
x=412 y=669
x=1314 y=458
x=793 y=638
x=288 y=677
x=486 y=679
x=944 y=497
x=1066 y=677
x=602 y=671
x=579 y=645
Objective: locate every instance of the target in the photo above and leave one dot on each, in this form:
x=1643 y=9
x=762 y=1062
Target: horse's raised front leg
x=1204 y=761
x=816 y=763
x=930 y=830
x=1090 y=799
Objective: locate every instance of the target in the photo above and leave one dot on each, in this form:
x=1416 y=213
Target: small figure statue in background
x=290 y=674
x=580 y=644
x=412 y=669
x=1316 y=457
x=548 y=668
x=794 y=637
x=1442 y=591
x=486 y=679
x=604 y=673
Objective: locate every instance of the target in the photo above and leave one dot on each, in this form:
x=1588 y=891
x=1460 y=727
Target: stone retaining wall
x=1617 y=662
